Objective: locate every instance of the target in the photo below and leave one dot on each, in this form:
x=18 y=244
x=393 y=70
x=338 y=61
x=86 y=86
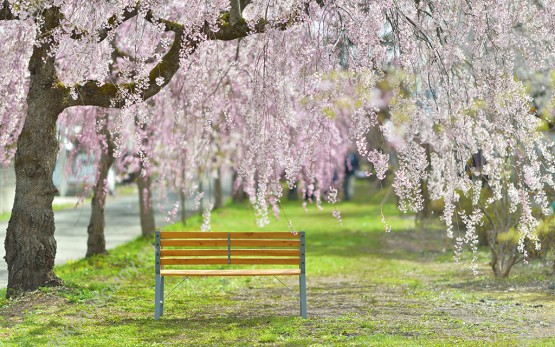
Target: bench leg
x=159 y=297
x=302 y=290
x=162 y=295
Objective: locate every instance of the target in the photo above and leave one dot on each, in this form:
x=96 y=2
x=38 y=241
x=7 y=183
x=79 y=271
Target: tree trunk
x=96 y=243
x=183 y=207
x=218 y=192
x=503 y=257
x=145 y=205
x=30 y=244
x=238 y=195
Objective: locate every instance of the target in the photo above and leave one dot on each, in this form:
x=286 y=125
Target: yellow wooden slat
x=192 y=235
x=265 y=243
x=236 y=261
x=193 y=243
x=192 y=261
x=260 y=235
x=264 y=235
x=251 y=272
x=234 y=252
x=269 y=261
x=265 y=252
x=234 y=243
x=193 y=252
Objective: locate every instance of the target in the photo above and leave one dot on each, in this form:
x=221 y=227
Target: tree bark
x=30 y=244
x=96 y=243
x=145 y=206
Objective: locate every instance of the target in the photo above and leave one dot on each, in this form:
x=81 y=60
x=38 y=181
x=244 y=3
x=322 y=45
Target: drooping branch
x=93 y=93
x=111 y=24
x=109 y=94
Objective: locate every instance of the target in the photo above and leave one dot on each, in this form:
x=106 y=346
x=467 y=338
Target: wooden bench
x=176 y=249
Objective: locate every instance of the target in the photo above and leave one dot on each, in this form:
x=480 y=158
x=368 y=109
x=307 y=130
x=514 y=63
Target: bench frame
x=159 y=273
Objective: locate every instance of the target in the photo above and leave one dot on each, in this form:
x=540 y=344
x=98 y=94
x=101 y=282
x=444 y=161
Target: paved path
x=122 y=225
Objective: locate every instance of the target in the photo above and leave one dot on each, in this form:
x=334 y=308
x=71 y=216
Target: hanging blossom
x=173 y=213
x=332 y=199
x=206 y=218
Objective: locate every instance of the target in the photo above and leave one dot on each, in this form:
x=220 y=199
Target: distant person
x=351 y=166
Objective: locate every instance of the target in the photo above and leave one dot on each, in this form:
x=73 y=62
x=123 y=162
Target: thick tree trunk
x=96 y=243
x=145 y=202
x=30 y=244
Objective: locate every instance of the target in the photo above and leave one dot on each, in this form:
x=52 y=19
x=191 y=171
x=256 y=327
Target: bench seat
x=249 y=272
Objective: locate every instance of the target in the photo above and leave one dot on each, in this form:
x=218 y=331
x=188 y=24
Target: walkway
x=122 y=225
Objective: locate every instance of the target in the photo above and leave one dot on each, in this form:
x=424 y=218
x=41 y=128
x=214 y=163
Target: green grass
x=365 y=288
x=5 y=216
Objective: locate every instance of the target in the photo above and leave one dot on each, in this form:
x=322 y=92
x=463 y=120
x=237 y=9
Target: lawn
x=366 y=287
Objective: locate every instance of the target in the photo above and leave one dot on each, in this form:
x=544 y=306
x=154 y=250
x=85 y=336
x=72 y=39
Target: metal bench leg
x=302 y=289
x=159 y=287
x=158 y=296
x=302 y=276
x=162 y=295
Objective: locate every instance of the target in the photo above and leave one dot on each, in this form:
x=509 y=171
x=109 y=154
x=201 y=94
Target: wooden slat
x=194 y=252
x=234 y=243
x=251 y=272
x=192 y=261
x=264 y=235
x=192 y=235
x=265 y=243
x=223 y=235
x=194 y=243
x=236 y=261
x=266 y=252
x=269 y=261
x=234 y=252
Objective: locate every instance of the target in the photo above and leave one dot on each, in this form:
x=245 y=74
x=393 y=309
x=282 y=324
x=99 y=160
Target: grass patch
x=365 y=288
x=4 y=217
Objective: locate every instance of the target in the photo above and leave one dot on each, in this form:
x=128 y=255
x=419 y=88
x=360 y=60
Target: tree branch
x=111 y=24
x=93 y=93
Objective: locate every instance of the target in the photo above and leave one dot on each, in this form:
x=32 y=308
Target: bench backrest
x=233 y=248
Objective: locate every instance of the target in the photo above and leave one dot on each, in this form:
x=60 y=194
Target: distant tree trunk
x=238 y=195
x=504 y=254
x=502 y=261
x=218 y=191
x=96 y=243
x=145 y=206
x=183 y=206
x=30 y=244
